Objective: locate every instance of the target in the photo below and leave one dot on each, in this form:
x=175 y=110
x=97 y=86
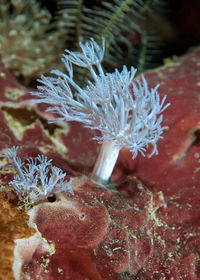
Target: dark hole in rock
x=197 y=138
x=51 y=199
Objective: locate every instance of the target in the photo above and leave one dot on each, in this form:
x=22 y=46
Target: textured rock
x=13 y=225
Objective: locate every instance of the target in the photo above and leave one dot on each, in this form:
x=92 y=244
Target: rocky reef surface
x=145 y=225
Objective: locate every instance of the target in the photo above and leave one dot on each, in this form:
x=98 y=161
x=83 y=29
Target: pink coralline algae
x=149 y=228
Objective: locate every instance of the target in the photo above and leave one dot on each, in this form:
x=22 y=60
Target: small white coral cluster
x=38 y=178
x=126 y=113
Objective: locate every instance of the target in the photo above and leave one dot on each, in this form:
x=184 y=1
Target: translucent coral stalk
x=105 y=162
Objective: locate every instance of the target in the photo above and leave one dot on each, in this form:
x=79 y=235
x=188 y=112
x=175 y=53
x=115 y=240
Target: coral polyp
x=125 y=117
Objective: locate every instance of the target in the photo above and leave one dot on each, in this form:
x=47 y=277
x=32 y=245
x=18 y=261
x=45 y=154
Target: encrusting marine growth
x=125 y=112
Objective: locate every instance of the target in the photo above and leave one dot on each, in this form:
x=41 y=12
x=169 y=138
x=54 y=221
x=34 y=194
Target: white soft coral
x=38 y=178
x=125 y=118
